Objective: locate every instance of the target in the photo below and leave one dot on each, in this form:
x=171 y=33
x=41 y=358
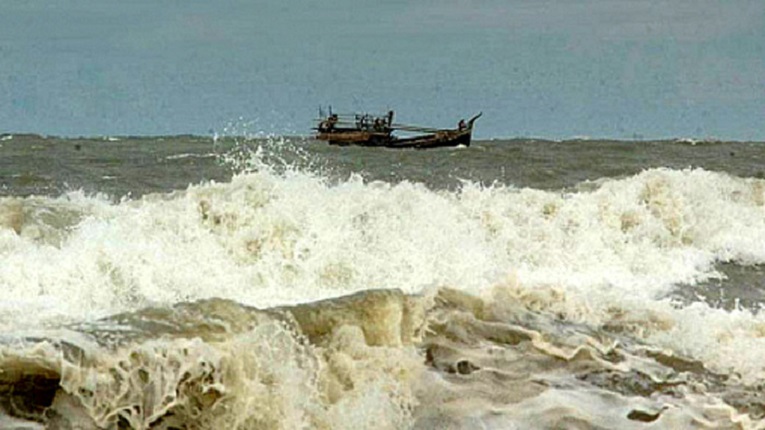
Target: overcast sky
x=554 y=69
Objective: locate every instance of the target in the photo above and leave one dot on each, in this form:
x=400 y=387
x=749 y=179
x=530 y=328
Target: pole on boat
x=475 y=117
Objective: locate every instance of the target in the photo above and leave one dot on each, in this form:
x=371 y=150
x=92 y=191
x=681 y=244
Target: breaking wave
x=220 y=304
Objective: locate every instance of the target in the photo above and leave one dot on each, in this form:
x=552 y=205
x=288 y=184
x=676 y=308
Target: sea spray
x=215 y=363
x=546 y=307
x=265 y=239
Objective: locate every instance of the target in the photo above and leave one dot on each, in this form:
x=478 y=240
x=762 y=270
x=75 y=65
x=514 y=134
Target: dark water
x=119 y=166
x=191 y=282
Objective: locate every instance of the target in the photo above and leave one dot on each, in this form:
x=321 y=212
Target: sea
x=250 y=281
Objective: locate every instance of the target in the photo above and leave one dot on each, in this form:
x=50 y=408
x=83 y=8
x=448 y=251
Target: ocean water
x=279 y=283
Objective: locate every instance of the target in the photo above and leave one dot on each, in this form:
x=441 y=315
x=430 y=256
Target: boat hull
x=355 y=137
x=437 y=140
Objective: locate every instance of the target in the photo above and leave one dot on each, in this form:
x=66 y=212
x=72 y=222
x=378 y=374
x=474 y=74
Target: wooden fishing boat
x=369 y=130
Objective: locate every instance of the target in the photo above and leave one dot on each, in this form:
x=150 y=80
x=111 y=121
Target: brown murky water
x=277 y=283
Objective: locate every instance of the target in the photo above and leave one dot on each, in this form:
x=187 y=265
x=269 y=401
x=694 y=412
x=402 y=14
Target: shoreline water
x=275 y=284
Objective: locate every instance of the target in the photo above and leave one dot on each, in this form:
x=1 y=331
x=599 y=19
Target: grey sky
x=619 y=68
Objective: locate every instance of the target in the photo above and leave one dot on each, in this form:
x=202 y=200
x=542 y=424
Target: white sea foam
x=605 y=256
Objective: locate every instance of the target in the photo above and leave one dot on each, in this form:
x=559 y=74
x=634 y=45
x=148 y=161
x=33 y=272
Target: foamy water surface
x=296 y=291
